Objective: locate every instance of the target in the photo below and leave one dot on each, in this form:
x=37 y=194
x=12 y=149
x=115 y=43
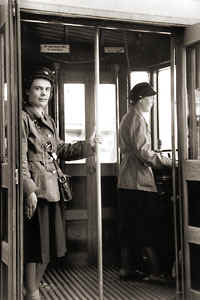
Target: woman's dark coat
x=39 y=172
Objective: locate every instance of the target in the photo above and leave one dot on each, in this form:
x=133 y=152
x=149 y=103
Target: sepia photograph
x=99 y=150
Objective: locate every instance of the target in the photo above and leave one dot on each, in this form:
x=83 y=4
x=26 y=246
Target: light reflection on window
x=164 y=107
x=5 y=92
x=4 y=99
x=137 y=77
x=74 y=95
x=164 y=102
x=5 y=95
x=107 y=123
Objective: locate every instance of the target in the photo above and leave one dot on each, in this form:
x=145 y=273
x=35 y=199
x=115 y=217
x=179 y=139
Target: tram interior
x=145 y=54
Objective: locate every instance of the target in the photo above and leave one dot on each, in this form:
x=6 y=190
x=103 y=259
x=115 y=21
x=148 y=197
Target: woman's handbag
x=63 y=180
x=64 y=185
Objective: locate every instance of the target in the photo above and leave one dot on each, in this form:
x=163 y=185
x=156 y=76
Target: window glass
x=164 y=108
x=193 y=122
x=5 y=121
x=74 y=113
x=107 y=123
x=138 y=76
x=74 y=95
x=4 y=98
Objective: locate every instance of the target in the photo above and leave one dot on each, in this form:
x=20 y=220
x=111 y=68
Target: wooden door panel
x=191 y=170
x=189 y=149
x=193 y=235
x=4 y=175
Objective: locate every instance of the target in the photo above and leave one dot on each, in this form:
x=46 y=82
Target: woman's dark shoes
x=130 y=274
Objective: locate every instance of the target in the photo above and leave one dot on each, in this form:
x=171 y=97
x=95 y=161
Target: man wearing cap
x=136 y=183
x=44 y=227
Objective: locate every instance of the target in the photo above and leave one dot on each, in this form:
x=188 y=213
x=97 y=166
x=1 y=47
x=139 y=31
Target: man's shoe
x=161 y=278
x=130 y=274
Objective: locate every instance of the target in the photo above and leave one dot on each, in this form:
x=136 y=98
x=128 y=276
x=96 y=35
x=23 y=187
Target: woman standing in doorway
x=44 y=228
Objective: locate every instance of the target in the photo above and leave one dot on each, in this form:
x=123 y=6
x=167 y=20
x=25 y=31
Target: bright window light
x=74 y=114
x=107 y=123
x=138 y=76
x=164 y=108
x=5 y=91
x=74 y=95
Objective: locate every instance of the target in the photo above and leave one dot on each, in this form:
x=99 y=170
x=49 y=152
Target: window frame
x=154 y=117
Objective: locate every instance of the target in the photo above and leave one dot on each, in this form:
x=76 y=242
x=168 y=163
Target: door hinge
x=16 y=176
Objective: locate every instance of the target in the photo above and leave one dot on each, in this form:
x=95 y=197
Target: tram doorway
x=75 y=72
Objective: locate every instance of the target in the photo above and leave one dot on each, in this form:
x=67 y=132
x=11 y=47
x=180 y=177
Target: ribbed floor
x=80 y=283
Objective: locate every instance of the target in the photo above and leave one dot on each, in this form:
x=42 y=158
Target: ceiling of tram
x=56 y=33
x=140 y=47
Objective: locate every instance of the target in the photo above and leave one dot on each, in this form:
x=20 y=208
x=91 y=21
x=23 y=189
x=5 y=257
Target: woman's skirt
x=44 y=233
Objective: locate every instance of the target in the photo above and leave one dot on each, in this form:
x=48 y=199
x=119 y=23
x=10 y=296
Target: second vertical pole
x=98 y=167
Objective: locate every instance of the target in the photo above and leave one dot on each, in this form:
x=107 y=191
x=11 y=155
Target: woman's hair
x=139 y=91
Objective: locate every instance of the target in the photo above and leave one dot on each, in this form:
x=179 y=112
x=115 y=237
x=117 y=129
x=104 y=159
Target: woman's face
x=39 y=93
x=146 y=103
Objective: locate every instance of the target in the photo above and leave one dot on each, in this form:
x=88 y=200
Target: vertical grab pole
x=116 y=69
x=98 y=168
x=178 y=288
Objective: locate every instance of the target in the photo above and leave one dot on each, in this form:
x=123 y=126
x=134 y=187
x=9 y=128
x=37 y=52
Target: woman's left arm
x=75 y=151
x=78 y=150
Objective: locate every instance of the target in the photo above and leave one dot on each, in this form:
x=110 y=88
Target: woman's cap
x=44 y=73
x=141 y=90
x=37 y=73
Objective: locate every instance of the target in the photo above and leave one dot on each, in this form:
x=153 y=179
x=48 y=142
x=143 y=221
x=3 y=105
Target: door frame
x=18 y=223
x=188 y=168
x=11 y=223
